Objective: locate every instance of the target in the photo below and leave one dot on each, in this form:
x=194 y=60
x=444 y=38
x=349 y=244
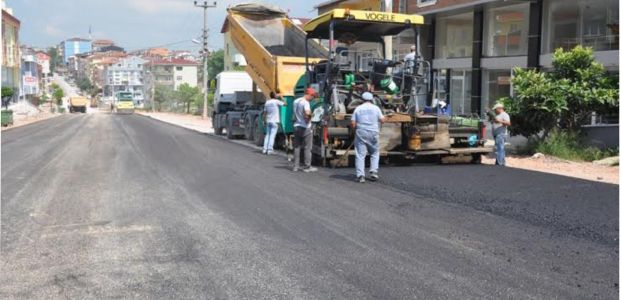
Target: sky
x=132 y=24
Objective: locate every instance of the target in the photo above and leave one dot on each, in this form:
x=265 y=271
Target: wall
x=187 y=74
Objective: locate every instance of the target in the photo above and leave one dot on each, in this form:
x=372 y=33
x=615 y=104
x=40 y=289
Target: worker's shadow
x=344 y=177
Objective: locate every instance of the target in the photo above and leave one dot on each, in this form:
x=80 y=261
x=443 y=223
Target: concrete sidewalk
x=193 y=122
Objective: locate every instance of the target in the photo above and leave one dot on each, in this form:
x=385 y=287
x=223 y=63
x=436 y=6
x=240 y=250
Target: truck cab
x=229 y=102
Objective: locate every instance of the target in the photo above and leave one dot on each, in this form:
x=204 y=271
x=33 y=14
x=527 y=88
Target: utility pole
x=205 y=6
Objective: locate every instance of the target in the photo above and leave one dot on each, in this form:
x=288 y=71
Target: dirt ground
x=547 y=164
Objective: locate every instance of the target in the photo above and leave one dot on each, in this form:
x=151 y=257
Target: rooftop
x=173 y=62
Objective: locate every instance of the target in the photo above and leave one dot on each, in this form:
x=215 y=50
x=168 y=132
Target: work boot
x=295 y=169
x=374 y=176
x=361 y=179
x=310 y=169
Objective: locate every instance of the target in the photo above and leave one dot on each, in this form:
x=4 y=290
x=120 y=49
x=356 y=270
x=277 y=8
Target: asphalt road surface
x=123 y=206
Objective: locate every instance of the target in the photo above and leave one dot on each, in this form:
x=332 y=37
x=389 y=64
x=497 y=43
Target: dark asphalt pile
x=109 y=206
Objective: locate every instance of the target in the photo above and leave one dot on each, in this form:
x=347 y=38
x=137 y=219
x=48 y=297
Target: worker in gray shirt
x=366 y=121
x=303 y=132
x=499 y=130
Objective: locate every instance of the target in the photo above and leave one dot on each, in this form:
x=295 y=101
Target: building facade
x=74 y=46
x=126 y=75
x=474 y=45
x=11 y=61
x=174 y=72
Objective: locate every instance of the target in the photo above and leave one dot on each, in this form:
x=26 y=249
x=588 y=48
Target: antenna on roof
x=89 y=33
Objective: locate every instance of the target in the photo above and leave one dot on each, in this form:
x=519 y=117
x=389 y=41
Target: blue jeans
x=270 y=136
x=366 y=141
x=500 y=149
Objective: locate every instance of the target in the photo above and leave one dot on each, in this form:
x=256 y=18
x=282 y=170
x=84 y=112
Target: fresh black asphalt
x=122 y=206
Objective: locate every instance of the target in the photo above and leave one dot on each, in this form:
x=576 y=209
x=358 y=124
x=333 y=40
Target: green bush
x=571 y=146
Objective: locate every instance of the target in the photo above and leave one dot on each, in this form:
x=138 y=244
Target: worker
x=412 y=55
x=366 y=121
x=499 y=130
x=303 y=132
x=271 y=111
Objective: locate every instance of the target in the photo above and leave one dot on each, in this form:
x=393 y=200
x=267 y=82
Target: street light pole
x=205 y=6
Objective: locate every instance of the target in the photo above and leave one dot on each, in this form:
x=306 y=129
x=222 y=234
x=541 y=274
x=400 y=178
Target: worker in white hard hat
x=412 y=55
x=366 y=120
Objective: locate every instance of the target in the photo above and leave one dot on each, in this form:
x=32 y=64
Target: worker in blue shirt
x=366 y=120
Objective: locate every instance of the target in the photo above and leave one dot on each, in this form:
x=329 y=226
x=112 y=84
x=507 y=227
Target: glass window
x=179 y=68
x=425 y=2
x=454 y=36
x=592 y=23
x=496 y=84
x=460 y=92
x=506 y=31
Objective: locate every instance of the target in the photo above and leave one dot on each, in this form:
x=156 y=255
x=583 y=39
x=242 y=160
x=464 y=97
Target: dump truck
x=233 y=96
x=274 y=49
x=400 y=88
x=77 y=104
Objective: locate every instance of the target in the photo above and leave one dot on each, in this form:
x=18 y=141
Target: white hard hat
x=413 y=47
x=498 y=105
x=367 y=96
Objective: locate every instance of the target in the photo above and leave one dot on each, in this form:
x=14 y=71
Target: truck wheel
x=249 y=130
x=229 y=132
x=71 y=109
x=476 y=159
x=258 y=135
x=218 y=130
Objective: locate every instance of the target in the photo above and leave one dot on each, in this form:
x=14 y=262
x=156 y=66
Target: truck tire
x=217 y=130
x=249 y=129
x=258 y=135
x=71 y=109
x=229 y=132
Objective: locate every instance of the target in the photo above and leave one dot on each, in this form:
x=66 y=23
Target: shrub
x=571 y=146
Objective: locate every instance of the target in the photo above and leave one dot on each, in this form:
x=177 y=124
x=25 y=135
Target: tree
x=216 y=63
x=187 y=95
x=85 y=84
x=161 y=94
x=58 y=95
x=7 y=94
x=54 y=58
x=562 y=98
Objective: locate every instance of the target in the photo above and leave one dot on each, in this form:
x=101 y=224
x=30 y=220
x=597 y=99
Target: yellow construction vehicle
x=401 y=88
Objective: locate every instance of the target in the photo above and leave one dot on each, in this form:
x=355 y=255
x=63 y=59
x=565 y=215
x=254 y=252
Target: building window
x=421 y=3
x=179 y=78
x=460 y=92
x=496 y=85
x=506 y=31
x=592 y=23
x=403 y=6
x=454 y=36
x=179 y=68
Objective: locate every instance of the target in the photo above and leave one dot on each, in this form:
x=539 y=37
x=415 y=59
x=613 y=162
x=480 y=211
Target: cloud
x=52 y=31
x=159 y=6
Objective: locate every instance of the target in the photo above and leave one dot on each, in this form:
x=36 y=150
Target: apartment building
x=73 y=46
x=474 y=45
x=174 y=72
x=11 y=58
x=126 y=75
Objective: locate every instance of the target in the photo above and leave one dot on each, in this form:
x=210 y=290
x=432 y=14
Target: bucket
x=389 y=85
x=415 y=142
